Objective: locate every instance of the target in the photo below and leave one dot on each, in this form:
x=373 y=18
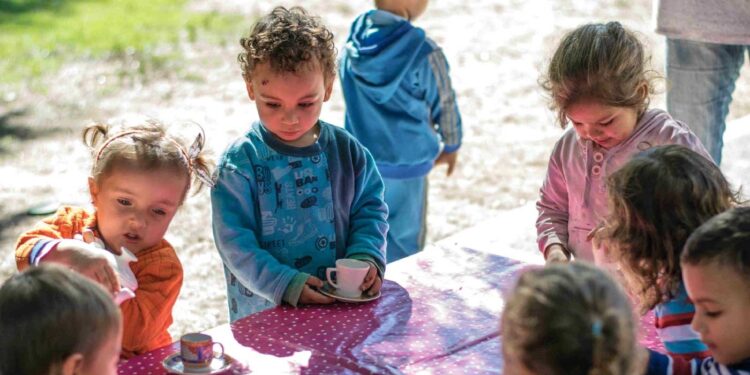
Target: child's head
x=55 y=321
x=716 y=269
x=409 y=9
x=139 y=177
x=598 y=79
x=568 y=319
x=289 y=65
x=656 y=200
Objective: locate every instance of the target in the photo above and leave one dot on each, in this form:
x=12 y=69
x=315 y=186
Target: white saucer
x=173 y=365
x=330 y=291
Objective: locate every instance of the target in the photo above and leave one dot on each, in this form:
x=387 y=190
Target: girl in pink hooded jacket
x=599 y=82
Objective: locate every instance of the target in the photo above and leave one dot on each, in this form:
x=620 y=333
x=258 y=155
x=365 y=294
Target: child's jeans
x=700 y=81
x=407 y=207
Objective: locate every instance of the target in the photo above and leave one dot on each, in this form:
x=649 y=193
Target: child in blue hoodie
x=294 y=193
x=401 y=106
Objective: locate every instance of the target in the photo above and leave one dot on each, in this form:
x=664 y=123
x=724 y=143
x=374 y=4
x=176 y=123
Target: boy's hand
x=372 y=283
x=556 y=254
x=88 y=260
x=448 y=158
x=312 y=296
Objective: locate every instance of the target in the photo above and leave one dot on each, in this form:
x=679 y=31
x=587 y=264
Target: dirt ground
x=496 y=49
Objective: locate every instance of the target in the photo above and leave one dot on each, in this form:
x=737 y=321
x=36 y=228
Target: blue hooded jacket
x=399 y=100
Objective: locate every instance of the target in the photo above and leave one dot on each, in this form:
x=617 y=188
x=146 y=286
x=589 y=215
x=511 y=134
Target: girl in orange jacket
x=139 y=178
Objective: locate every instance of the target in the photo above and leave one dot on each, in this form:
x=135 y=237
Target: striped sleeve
x=34 y=244
x=446 y=115
x=673 y=326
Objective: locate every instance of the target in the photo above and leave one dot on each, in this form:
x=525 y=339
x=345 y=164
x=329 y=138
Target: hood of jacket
x=381 y=48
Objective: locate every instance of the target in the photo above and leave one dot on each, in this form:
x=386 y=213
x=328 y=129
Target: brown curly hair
x=656 y=201
x=289 y=40
x=571 y=319
x=598 y=61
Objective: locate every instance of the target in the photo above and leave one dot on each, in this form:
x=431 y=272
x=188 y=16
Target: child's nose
x=593 y=131
x=136 y=221
x=697 y=323
x=290 y=117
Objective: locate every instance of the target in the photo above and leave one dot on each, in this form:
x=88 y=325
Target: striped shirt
x=673 y=326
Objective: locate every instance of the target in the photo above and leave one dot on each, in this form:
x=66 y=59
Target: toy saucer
x=173 y=364
x=330 y=291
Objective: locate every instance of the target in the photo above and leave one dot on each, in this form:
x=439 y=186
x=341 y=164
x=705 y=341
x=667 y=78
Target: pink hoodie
x=573 y=197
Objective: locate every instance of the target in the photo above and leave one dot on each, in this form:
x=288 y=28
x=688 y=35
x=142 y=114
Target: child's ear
x=72 y=365
x=643 y=90
x=250 y=92
x=93 y=189
x=329 y=89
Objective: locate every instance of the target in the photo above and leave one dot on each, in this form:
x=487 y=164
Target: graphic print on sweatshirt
x=296 y=208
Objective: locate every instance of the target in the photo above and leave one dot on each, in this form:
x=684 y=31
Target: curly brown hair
x=605 y=62
x=570 y=319
x=656 y=201
x=289 y=40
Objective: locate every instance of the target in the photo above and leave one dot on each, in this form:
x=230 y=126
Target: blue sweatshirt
x=282 y=212
x=399 y=100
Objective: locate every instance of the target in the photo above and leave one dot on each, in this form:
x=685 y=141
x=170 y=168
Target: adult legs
x=700 y=82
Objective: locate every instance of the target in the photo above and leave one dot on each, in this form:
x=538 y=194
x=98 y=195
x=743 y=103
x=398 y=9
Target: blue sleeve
x=658 y=364
x=368 y=212
x=662 y=364
x=442 y=100
x=235 y=224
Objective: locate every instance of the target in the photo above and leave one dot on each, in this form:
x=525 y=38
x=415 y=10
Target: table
x=439 y=313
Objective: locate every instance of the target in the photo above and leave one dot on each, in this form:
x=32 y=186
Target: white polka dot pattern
x=439 y=313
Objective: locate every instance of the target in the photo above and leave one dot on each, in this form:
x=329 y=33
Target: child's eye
x=713 y=314
x=273 y=105
x=606 y=123
x=160 y=212
x=306 y=105
x=124 y=202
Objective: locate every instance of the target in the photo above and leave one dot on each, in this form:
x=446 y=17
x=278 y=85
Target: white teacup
x=350 y=273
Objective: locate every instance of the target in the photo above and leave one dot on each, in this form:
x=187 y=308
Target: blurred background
x=65 y=63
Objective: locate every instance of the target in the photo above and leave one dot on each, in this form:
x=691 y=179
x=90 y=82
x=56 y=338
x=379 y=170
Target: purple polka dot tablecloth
x=438 y=313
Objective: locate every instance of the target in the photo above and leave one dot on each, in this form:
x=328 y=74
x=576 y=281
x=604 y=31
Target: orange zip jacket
x=158 y=271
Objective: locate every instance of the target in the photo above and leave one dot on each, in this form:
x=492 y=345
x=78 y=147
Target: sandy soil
x=496 y=50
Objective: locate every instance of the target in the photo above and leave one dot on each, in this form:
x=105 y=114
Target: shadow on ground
x=14 y=129
x=11 y=221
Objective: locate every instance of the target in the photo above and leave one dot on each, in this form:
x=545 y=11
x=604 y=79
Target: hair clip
x=596 y=327
x=193 y=152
